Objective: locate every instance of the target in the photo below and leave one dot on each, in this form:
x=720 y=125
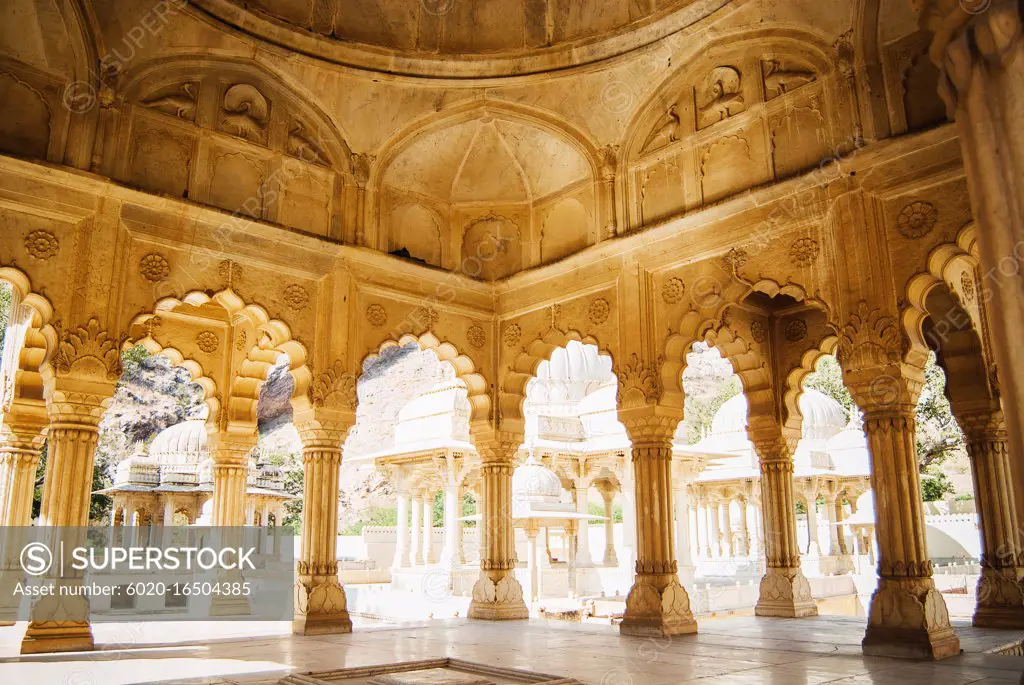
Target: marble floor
x=735 y=651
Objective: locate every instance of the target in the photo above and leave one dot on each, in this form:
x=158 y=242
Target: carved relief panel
x=744 y=115
x=225 y=137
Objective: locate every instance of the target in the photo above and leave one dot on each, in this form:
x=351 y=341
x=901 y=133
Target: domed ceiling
x=495 y=37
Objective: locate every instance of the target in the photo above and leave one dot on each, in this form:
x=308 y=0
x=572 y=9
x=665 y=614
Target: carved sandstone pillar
x=21 y=439
x=61 y=624
x=1000 y=596
x=230 y=472
x=657 y=604
x=908 y=616
x=497 y=595
x=320 y=605
x=978 y=49
x=784 y=590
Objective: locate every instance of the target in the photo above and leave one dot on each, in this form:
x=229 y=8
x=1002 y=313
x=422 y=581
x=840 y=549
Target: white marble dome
x=182 y=443
x=823 y=417
x=535 y=482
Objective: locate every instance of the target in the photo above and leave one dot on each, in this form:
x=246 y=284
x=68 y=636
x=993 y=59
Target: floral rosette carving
x=758 y=332
x=795 y=330
x=154 y=267
x=804 y=252
x=207 y=341
x=376 y=315
x=42 y=245
x=476 y=336
x=513 y=334
x=296 y=297
x=599 y=311
x=672 y=290
x=917 y=220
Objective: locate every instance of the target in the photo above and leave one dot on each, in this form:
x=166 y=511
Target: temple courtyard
x=734 y=651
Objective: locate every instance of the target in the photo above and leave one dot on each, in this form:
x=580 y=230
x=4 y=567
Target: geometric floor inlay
x=430 y=672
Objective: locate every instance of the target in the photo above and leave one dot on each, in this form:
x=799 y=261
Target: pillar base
x=610 y=558
x=1000 y=600
x=657 y=612
x=908 y=619
x=498 y=600
x=46 y=637
x=785 y=593
x=321 y=607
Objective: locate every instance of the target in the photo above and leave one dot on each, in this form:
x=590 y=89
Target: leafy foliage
x=5 y=310
x=938 y=435
x=827 y=378
x=709 y=383
x=935 y=486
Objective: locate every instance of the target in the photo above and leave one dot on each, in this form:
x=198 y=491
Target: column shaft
x=320 y=603
x=402 y=533
x=583 y=558
x=908 y=616
x=497 y=594
x=784 y=590
x=657 y=604
x=61 y=624
x=1000 y=596
x=428 y=528
x=416 y=533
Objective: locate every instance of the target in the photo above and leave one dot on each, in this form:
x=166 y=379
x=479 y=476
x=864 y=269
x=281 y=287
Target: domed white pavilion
x=170 y=483
x=722 y=503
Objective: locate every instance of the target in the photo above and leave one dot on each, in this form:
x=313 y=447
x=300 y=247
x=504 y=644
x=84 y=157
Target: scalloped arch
x=34 y=372
x=795 y=379
x=273 y=339
x=524 y=368
x=943 y=266
x=477 y=388
x=194 y=368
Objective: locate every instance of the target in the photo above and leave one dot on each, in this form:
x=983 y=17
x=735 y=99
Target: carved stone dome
x=535 y=482
x=455 y=37
x=182 y=443
x=823 y=417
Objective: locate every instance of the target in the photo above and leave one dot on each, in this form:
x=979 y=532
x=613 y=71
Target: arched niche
x=751 y=108
x=232 y=135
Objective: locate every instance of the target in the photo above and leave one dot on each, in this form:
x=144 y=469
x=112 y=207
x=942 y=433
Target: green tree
x=827 y=378
x=938 y=435
x=935 y=486
x=5 y=310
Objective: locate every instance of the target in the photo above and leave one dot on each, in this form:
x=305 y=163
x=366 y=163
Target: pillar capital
x=499 y=447
x=651 y=425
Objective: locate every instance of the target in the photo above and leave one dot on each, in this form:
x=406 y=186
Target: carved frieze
x=781 y=77
x=967 y=286
x=719 y=96
x=179 y=102
x=245 y=113
x=664 y=132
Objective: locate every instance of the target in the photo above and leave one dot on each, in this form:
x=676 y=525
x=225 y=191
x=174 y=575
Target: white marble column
x=756 y=550
x=703 y=541
x=682 y=530
x=833 y=526
x=402 y=533
x=813 y=548
x=744 y=532
x=715 y=531
x=533 y=593
x=610 y=558
x=452 y=510
x=583 y=558
x=415 y=532
x=428 y=528
x=628 y=557
x=727 y=546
